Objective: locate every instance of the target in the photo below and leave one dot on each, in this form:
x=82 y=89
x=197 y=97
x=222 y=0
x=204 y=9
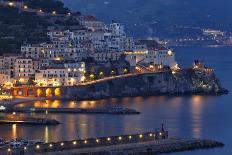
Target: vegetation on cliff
x=17 y=26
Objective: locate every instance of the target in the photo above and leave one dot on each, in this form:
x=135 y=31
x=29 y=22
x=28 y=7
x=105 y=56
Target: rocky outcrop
x=183 y=82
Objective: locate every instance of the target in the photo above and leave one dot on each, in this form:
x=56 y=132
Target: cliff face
x=166 y=83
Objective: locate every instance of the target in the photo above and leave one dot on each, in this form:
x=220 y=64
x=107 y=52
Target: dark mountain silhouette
x=160 y=17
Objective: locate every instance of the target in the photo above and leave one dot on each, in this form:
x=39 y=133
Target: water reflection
x=176 y=112
x=46 y=135
x=14 y=131
x=196 y=109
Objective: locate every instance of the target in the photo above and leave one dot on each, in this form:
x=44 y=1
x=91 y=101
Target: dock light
x=120 y=138
x=8 y=149
x=25 y=7
x=85 y=141
x=14 y=113
x=160 y=133
x=140 y=136
x=150 y=134
x=62 y=144
x=41 y=12
x=37 y=146
x=97 y=140
x=108 y=139
x=50 y=145
x=130 y=137
x=25 y=148
x=69 y=14
x=74 y=142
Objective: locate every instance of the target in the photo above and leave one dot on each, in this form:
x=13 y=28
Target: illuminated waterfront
x=196 y=116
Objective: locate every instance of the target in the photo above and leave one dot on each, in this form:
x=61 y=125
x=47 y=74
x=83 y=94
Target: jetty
x=148 y=143
x=28 y=120
x=107 y=110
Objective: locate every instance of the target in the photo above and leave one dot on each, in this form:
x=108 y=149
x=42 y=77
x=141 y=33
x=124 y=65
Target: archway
x=57 y=92
x=39 y=92
x=48 y=92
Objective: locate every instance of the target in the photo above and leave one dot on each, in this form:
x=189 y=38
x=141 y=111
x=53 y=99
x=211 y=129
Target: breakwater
x=28 y=120
x=113 y=111
x=86 y=143
x=148 y=148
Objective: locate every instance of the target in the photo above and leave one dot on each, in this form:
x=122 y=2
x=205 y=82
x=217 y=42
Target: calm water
x=196 y=116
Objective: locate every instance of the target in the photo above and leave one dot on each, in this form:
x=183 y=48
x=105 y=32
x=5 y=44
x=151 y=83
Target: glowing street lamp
x=25 y=7
x=54 y=12
x=125 y=71
x=11 y=4
x=91 y=76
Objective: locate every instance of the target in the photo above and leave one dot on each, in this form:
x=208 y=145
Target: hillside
x=18 y=26
x=163 y=18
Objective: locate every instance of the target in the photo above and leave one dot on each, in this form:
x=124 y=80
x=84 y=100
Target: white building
x=7 y=63
x=91 y=22
x=151 y=57
x=25 y=69
x=31 y=50
x=51 y=76
x=72 y=73
x=117 y=29
x=106 y=56
x=76 y=72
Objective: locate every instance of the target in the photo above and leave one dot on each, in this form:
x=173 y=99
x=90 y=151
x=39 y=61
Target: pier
x=28 y=121
x=148 y=143
x=86 y=143
x=110 y=110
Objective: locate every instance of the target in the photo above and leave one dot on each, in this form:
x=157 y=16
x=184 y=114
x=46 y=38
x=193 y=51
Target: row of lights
x=85 y=142
x=25 y=7
x=97 y=140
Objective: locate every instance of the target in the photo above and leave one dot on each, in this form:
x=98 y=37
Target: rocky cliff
x=184 y=82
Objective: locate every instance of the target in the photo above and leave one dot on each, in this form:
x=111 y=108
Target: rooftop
x=152 y=44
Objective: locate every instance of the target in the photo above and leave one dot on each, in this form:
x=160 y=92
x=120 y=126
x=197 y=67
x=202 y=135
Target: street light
x=54 y=12
x=25 y=7
x=11 y=4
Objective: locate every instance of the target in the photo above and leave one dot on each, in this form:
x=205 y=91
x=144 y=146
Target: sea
x=207 y=117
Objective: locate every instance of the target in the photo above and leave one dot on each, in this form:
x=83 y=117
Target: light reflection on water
x=154 y=111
